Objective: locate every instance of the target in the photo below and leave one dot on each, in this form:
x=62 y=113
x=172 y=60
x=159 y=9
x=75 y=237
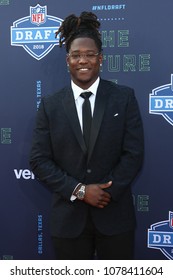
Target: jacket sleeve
x=41 y=158
x=131 y=158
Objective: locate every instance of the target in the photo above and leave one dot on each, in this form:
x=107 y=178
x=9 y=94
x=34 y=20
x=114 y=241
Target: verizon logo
x=25 y=174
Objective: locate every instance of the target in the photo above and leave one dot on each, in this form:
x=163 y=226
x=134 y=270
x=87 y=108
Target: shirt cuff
x=73 y=197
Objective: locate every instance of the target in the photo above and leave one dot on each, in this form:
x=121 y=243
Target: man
x=89 y=167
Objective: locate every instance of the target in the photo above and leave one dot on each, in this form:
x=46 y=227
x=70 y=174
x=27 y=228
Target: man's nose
x=83 y=57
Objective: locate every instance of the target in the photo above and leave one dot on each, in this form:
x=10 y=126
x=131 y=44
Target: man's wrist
x=80 y=191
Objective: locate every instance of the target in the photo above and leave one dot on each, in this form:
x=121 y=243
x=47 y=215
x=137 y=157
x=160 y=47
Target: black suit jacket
x=60 y=160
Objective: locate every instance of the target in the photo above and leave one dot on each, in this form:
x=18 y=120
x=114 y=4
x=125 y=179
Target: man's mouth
x=83 y=69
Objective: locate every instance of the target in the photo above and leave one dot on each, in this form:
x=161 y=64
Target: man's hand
x=96 y=195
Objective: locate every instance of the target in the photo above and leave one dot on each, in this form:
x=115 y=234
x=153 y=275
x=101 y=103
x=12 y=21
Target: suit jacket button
x=88 y=170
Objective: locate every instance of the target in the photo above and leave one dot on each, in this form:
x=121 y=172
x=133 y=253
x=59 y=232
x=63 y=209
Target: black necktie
x=86 y=116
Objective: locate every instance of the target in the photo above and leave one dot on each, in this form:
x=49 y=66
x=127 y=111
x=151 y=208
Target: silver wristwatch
x=81 y=192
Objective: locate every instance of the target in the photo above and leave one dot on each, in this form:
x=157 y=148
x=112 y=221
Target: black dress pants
x=91 y=244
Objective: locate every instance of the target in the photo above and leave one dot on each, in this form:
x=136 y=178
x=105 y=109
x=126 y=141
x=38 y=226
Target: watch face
x=81 y=192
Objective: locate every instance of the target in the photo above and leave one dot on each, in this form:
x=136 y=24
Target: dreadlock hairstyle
x=86 y=25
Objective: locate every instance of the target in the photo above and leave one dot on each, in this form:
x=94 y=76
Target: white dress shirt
x=79 y=100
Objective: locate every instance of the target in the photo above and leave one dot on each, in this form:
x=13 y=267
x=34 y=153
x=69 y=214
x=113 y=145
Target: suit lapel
x=100 y=104
x=71 y=112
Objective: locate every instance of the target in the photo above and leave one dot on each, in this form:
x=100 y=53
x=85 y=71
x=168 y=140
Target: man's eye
x=75 y=56
x=90 y=55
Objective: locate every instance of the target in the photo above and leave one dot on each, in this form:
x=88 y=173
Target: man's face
x=84 y=62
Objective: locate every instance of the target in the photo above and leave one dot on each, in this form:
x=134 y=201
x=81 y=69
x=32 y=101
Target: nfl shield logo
x=160 y=236
x=36 y=32
x=38 y=14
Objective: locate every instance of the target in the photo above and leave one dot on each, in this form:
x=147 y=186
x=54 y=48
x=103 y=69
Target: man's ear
x=100 y=58
x=67 y=59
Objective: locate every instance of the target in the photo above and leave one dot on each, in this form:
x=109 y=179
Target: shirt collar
x=77 y=90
